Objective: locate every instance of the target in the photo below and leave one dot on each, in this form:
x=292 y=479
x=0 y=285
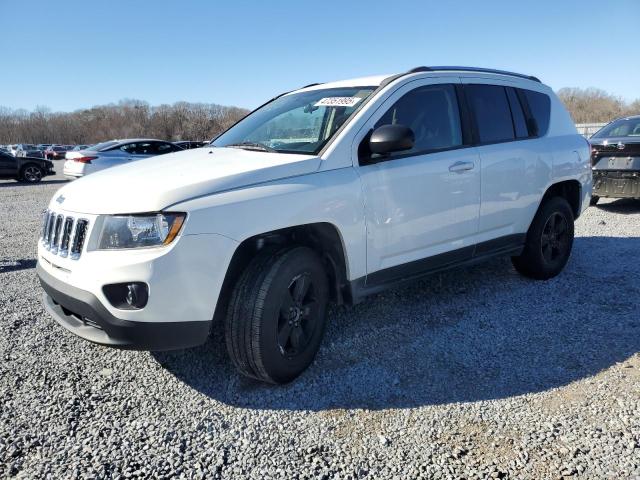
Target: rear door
x=512 y=171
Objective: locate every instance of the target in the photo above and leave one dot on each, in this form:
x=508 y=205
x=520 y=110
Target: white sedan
x=114 y=152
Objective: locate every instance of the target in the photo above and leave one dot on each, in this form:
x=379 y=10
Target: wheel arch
x=323 y=237
x=570 y=190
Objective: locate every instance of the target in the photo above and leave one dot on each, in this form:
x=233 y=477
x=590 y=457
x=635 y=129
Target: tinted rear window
x=491 y=110
x=102 y=146
x=540 y=106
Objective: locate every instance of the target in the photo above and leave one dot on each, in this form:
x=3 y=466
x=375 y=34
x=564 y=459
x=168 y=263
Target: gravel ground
x=475 y=373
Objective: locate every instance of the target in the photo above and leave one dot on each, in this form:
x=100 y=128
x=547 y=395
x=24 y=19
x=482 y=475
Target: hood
x=155 y=183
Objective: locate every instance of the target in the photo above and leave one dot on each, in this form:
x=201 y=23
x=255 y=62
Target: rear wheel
x=276 y=316
x=549 y=241
x=31 y=174
x=594 y=200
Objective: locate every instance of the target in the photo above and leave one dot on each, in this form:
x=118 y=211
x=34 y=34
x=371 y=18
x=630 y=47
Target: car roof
x=378 y=80
x=371 y=81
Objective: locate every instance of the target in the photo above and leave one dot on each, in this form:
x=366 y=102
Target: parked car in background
x=78 y=148
x=56 y=152
x=43 y=146
x=115 y=152
x=189 y=144
x=615 y=159
x=24 y=169
x=28 y=150
x=328 y=193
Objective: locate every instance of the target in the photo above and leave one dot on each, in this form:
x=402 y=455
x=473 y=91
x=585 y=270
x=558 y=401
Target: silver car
x=115 y=152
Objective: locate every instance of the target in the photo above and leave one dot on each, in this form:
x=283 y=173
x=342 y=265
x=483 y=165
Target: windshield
x=296 y=123
x=625 y=127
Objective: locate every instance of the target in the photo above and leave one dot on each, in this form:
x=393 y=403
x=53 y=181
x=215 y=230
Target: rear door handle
x=460 y=167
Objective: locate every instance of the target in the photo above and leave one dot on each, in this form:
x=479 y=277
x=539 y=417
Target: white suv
x=327 y=193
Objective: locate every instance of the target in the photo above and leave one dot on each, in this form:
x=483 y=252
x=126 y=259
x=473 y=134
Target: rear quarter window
x=540 y=107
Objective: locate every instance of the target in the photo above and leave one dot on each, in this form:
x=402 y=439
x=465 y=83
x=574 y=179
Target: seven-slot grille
x=64 y=236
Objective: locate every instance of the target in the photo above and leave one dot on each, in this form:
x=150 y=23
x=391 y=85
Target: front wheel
x=276 y=315
x=549 y=241
x=31 y=174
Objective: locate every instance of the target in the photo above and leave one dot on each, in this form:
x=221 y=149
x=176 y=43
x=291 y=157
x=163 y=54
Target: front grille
x=64 y=235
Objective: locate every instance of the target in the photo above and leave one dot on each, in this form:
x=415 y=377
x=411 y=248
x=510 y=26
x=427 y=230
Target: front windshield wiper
x=261 y=147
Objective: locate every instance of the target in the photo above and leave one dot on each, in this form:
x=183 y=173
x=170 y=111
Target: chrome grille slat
x=47 y=239
x=66 y=236
x=57 y=228
x=79 y=237
x=45 y=221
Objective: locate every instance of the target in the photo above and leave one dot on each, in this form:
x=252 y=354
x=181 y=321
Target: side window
x=490 y=108
x=162 y=148
x=540 y=106
x=519 y=120
x=146 y=148
x=433 y=115
x=129 y=148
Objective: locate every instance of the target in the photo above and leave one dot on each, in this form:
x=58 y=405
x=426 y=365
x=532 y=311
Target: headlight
x=138 y=231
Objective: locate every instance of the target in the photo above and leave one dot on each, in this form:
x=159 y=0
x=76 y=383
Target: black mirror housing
x=391 y=138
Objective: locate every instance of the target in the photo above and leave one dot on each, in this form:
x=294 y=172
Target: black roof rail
x=310 y=85
x=473 y=69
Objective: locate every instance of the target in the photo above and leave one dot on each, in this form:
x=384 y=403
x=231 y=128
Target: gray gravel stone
x=475 y=373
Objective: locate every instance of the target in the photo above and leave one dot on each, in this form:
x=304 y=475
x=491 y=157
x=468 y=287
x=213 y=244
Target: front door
x=8 y=164
x=422 y=205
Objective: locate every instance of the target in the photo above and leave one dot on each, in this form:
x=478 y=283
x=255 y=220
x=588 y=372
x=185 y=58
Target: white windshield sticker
x=337 y=102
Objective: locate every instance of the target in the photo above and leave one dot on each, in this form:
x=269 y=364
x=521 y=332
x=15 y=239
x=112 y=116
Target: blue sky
x=73 y=54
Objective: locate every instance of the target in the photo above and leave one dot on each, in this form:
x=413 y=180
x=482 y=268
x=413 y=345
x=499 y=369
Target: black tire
x=549 y=241
x=276 y=316
x=31 y=173
x=594 y=200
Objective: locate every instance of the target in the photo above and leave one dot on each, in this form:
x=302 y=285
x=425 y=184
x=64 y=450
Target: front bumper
x=616 y=184
x=83 y=314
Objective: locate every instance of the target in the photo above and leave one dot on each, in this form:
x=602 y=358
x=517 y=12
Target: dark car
x=56 y=152
x=615 y=159
x=24 y=169
x=189 y=144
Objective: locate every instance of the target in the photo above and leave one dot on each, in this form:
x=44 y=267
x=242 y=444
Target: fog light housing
x=127 y=296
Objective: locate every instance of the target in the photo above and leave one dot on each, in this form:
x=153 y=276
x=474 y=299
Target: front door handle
x=460 y=167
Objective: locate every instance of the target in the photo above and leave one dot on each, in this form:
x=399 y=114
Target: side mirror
x=391 y=138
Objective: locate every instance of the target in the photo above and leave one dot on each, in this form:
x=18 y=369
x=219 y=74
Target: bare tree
x=129 y=118
x=593 y=105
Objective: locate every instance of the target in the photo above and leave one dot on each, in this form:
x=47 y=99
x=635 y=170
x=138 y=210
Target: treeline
x=592 y=105
x=127 y=119
x=201 y=121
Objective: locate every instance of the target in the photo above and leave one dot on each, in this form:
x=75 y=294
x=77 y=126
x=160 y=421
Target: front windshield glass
x=296 y=123
x=625 y=127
